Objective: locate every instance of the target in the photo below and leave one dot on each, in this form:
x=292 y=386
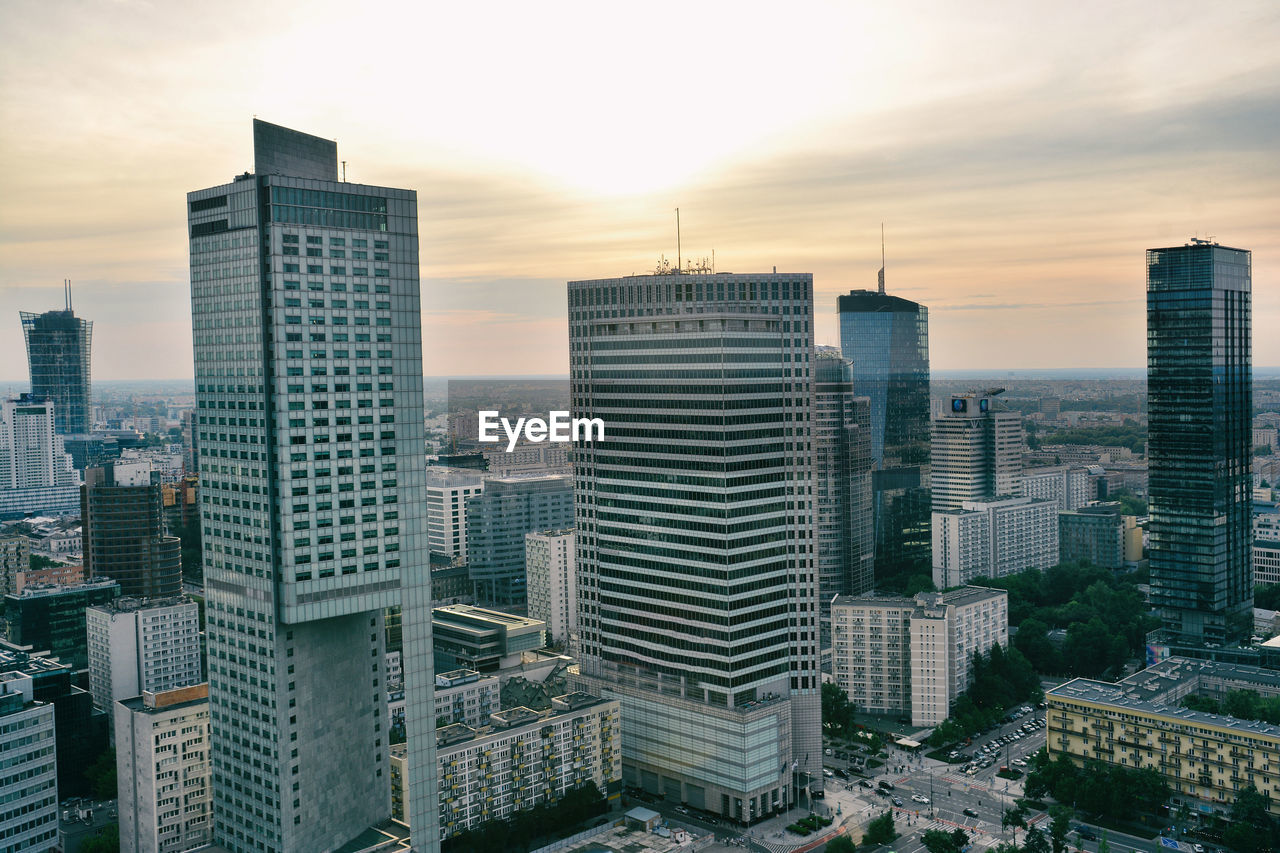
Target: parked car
x=864 y=783
x=970 y=813
x=681 y=810
x=886 y=784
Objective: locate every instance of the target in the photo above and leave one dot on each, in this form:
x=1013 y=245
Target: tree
x=102 y=776
x=880 y=830
x=937 y=841
x=1035 y=842
x=1252 y=829
x=841 y=844
x=1060 y=826
x=105 y=840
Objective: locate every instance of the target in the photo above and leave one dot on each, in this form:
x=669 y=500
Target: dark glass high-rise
x=887 y=339
x=58 y=350
x=1199 y=448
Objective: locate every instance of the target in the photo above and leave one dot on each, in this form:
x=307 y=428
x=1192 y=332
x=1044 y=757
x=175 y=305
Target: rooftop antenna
x=344 y=171
x=677 y=239
x=881 y=258
x=66 y=287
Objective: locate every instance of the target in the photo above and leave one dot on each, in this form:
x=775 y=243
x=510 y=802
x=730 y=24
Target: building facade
x=913 y=656
x=977 y=453
x=36 y=473
x=993 y=539
x=497 y=521
x=1069 y=486
x=468 y=637
x=29 y=784
x=15 y=559
x=164 y=770
x=52 y=618
x=696 y=566
x=123 y=525
x=59 y=346
x=448 y=490
x=844 y=527
x=140 y=647
x=1199 y=446
x=887 y=339
x=465 y=696
x=553 y=581
x=306 y=317
x=1093 y=534
x=1266 y=561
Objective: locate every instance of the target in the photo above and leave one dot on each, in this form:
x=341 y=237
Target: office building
x=29 y=784
x=1266 y=561
x=399 y=781
x=15 y=559
x=1069 y=486
x=58 y=353
x=468 y=637
x=977 y=453
x=553 y=581
x=844 y=529
x=1140 y=723
x=696 y=567
x=36 y=474
x=123 y=524
x=913 y=656
x=308 y=356
x=993 y=539
x=887 y=339
x=448 y=490
x=466 y=696
x=164 y=770
x=52 y=618
x=523 y=758
x=1199 y=450
x=1093 y=534
x=497 y=521
x=142 y=646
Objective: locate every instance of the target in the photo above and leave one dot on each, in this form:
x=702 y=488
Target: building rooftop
x=40 y=590
x=512 y=718
x=496 y=618
x=958 y=596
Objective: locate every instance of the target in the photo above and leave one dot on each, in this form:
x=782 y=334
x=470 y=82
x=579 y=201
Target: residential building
x=52 y=618
x=142 y=646
x=15 y=558
x=993 y=539
x=306 y=316
x=1199 y=445
x=913 y=656
x=36 y=473
x=1266 y=561
x=399 y=781
x=497 y=521
x=59 y=346
x=1139 y=723
x=523 y=758
x=466 y=696
x=448 y=490
x=552 y=581
x=29 y=784
x=528 y=459
x=887 y=339
x=844 y=528
x=468 y=637
x=164 y=770
x=696 y=567
x=56 y=575
x=123 y=525
x=1093 y=534
x=1069 y=486
x=977 y=453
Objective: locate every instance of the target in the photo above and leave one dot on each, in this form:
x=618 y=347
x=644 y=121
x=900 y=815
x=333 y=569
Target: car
x=970 y=813
x=864 y=783
x=681 y=810
x=886 y=784
x=920 y=798
x=830 y=774
x=897 y=802
x=841 y=773
x=1199 y=848
x=1085 y=833
x=1018 y=762
x=971 y=771
x=826 y=751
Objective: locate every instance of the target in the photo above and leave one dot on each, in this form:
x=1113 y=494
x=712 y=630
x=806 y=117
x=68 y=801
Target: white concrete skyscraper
x=696 y=566
x=308 y=356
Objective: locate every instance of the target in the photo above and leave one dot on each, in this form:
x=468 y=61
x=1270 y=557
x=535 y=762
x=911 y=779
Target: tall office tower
x=552 y=571
x=1199 y=444
x=29 y=786
x=138 y=647
x=977 y=453
x=887 y=339
x=497 y=521
x=36 y=474
x=51 y=618
x=122 y=523
x=190 y=446
x=58 y=348
x=308 y=353
x=447 y=492
x=845 y=537
x=163 y=768
x=698 y=594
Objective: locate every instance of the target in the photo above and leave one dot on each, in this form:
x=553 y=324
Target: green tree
x=1035 y=842
x=937 y=841
x=102 y=776
x=1059 y=827
x=1251 y=829
x=880 y=830
x=841 y=844
x=105 y=840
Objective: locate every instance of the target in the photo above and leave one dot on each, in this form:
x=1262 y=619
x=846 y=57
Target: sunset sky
x=1023 y=155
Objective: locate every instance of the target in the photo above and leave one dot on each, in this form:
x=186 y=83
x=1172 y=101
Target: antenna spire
x=881 y=276
x=678 y=265
x=66 y=291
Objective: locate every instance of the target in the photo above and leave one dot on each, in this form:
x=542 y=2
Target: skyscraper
x=977 y=453
x=58 y=355
x=497 y=520
x=122 y=524
x=697 y=583
x=1199 y=446
x=887 y=339
x=845 y=538
x=36 y=473
x=308 y=354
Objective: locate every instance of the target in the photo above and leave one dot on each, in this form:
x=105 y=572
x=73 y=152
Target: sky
x=1021 y=155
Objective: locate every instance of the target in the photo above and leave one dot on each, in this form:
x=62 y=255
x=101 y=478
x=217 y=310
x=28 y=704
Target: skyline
x=1022 y=163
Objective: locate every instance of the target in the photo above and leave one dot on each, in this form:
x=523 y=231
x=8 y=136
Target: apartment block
x=993 y=539
x=140 y=647
x=29 y=783
x=913 y=656
x=1069 y=486
x=1093 y=534
x=164 y=770
x=552 y=580
x=447 y=491
x=465 y=696
x=15 y=559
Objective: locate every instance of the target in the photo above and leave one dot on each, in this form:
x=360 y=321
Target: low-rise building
x=913 y=656
x=164 y=770
x=523 y=758
x=468 y=637
x=1266 y=561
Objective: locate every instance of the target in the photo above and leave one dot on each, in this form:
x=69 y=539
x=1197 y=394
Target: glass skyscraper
x=1199 y=444
x=887 y=339
x=696 y=567
x=308 y=355
x=58 y=355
